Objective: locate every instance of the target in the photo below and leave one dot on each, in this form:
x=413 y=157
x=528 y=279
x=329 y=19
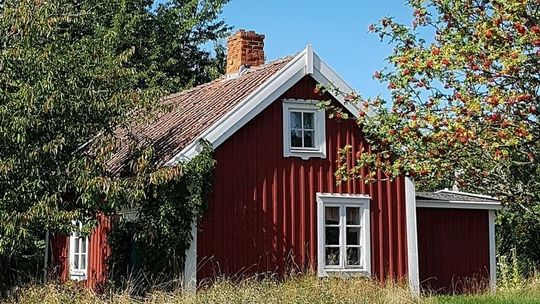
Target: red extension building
x=276 y=206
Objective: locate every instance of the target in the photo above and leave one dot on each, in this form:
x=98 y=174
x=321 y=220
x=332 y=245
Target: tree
x=464 y=80
x=71 y=73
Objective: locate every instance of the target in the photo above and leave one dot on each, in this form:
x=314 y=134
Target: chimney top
x=244 y=48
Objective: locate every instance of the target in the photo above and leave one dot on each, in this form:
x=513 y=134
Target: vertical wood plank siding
x=453 y=249
x=262 y=213
x=98 y=252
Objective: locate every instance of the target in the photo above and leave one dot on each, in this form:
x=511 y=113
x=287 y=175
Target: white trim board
x=412 y=236
x=492 y=253
x=305 y=63
x=458 y=204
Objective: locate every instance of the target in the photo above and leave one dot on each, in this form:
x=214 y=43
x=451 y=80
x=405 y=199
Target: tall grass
x=297 y=289
x=301 y=289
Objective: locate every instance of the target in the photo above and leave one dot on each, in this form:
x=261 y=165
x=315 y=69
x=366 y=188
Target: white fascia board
x=305 y=63
x=326 y=76
x=458 y=205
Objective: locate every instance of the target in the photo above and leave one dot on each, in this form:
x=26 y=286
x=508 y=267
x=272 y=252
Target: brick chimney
x=244 y=48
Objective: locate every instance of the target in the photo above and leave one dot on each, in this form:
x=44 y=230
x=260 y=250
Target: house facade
x=276 y=206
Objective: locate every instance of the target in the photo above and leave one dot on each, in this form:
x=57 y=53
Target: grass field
x=303 y=289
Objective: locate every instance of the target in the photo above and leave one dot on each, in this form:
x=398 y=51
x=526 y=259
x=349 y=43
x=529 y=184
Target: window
x=304 y=129
x=343 y=234
x=78 y=255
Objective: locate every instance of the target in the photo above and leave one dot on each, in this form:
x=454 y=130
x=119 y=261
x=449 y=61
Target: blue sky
x=338 y=31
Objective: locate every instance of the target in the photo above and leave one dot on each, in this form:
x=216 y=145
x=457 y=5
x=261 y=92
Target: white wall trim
x=492 y=253
x=319 y=121
x=343 y=200
x=305 y=63
x=412 y=236
x=458 y=204
x=190 y=266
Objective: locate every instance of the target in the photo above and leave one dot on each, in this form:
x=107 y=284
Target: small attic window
x=303 y=129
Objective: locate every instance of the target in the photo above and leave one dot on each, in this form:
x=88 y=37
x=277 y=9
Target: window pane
x=309 y=141
x=76 y=250
x=83 y=261
x=296 y=120
x=76 y=261
x=353 y=216
x=332 y=256
x=331 y=215
x=353 y=256
x=353 y=236
x=332 y=235
x=296 y=138
x=83 y=245
x=308 y=120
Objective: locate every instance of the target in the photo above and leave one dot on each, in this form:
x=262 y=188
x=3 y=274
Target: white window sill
x=305 y=154
x=76 y=276
x=339 y=272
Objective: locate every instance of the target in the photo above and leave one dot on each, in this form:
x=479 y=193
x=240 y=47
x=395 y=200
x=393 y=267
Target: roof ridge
x=224 y=77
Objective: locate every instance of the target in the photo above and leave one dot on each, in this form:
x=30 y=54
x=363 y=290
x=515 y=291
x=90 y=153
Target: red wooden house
x=276 y=206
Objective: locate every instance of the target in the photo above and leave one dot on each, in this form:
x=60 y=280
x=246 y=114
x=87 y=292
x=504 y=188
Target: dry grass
x=303 y=289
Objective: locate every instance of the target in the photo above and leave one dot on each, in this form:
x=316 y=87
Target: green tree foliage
x=464 y=81
x=71 y=73
x=163 y=225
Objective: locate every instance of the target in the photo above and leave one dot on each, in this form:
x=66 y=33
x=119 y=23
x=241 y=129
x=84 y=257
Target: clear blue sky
x=338 y=31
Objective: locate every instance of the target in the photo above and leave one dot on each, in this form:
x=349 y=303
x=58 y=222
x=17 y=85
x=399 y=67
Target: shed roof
x=456 y=199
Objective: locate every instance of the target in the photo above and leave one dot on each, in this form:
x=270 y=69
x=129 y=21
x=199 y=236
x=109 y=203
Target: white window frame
x=79 y=273
x=319 y=121
x=343 y=201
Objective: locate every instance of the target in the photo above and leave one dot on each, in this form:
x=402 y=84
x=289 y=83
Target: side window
x=343 y=234
x=303 y=129
x=78 y=255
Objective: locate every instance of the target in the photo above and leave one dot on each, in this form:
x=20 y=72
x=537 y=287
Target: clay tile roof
x=194 y=110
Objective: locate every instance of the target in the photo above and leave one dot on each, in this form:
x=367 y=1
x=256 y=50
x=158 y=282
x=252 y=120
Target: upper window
x=304 y=129
x=78 y=255
x=343 y=234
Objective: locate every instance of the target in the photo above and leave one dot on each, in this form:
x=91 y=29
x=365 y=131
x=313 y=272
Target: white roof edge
x=458 y=204
x=305 y=63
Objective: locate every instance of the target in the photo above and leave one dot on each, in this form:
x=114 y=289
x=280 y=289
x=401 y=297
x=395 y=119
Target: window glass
x=296 y=139
x=332 y=256
x=331 y=215
x=308 y=120
x=353 y=216
x=83 y=245
x=353 y=256
x=296 y=120
x=332 y=236
x=309 y=141
x=83 y=261
x=353 y=236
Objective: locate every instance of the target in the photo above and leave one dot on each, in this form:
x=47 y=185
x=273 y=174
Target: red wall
x=453 y=249
x=99 y=251
x=262 y=213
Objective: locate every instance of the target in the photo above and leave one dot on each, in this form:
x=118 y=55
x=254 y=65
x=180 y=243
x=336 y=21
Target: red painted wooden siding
x=262 y=213
x=98 y=252
x=453 y=249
